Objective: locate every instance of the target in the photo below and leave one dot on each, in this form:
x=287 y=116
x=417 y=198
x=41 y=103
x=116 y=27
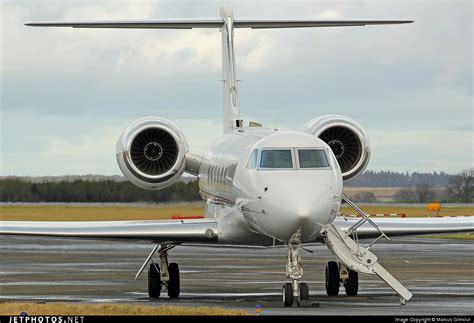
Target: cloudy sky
x=66 y=94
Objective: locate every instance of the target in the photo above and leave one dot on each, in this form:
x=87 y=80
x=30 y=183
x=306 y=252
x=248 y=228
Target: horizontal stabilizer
x=139 y=24
x=260 y=24
x=215 y=23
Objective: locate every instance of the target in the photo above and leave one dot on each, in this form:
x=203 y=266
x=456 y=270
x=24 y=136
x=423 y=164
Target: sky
x=67 y=94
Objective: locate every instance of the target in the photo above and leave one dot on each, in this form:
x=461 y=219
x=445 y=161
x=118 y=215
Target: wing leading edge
x=200 y=231
x=393 y=227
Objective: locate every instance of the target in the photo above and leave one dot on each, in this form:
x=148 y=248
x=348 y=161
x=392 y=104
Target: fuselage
x=274 y=181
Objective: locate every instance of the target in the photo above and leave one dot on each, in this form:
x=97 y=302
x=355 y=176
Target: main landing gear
x=294 y=270
x=164 y=276
x=337 y=274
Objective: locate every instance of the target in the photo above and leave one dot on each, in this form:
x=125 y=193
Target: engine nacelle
x=151 y=153
x=347 y=140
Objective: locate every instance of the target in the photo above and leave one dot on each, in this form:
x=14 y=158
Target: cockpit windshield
x=288 y=158
x=312 y=158
x=276 y=158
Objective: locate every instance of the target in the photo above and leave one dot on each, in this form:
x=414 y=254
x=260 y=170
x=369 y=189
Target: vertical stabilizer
x=231 y=107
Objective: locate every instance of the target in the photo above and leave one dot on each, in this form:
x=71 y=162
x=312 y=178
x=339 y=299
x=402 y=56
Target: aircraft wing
x=205 y=231
x=408 y=226
x=215 y=23
x=199 y=230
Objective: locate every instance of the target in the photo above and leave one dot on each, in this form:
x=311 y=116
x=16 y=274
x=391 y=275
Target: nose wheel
x=294 y=270
x=287 y=294
x=304 y=293
x=288 y=297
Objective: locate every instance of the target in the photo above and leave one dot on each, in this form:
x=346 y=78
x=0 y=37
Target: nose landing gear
x=294 y=271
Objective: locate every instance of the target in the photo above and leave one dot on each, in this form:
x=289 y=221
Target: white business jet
x=261 y=186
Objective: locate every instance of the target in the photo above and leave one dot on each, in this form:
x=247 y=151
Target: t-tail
x=226 y=23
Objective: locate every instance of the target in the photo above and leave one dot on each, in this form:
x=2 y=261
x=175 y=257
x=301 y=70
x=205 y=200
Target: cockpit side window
x=276 y=158
x=312 y=158
x=252 y=164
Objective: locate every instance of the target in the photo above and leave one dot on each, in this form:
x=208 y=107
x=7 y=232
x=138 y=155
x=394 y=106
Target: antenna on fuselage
x=226 y=24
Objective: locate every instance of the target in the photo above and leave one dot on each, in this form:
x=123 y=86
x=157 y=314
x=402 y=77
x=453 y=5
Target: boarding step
x=360 y=259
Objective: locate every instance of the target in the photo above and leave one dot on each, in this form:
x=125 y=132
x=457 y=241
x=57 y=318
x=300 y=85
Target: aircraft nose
x=301 y=204
x=308 y=206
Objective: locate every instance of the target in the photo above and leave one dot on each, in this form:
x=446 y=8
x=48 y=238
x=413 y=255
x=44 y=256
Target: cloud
x=67 y=93
x=84 y=145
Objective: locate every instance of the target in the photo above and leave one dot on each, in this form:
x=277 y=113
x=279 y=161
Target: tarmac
x=439 y=273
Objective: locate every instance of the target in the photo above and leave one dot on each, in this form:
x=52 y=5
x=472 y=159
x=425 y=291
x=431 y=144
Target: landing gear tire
x=173 y=283
x=304 y=293
x=332 y=278
x=352 y=283
x=154 y=281
x=287 y=294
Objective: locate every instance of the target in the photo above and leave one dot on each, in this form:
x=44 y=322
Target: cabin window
x=252 y=164
x=276 y=158
x=312 y=158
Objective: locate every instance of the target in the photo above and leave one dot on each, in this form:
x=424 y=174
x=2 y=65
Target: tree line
x=415 y=188
x=20 y=190
x=460 y=188
x=396 y=179
x=420 y=188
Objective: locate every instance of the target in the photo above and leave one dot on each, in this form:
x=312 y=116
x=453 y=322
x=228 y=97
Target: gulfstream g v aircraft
x=261 y=186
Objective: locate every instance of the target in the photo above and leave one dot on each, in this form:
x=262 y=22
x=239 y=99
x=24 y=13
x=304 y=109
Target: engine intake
x=347 y=140
x=151 y=153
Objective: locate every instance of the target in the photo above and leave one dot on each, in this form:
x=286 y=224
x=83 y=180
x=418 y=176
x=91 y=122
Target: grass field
x=110 y=309
x=460 y=236
x=106 y=213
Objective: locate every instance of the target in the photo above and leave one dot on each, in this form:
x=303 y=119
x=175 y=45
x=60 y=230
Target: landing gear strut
x=164 y=276
x=294 y=271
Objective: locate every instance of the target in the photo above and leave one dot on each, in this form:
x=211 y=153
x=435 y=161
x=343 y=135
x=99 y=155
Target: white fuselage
x=266 y=204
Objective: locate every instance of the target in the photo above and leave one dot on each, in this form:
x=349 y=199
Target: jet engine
x=346 y=138
x=151 y=153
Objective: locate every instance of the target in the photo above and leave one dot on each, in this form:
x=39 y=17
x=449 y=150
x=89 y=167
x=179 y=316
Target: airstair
x=346 y=247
